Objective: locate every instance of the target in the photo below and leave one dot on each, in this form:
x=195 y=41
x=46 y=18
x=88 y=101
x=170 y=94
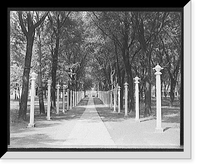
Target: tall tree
x=171 y=45
x=119 y=28
x=57 y=21
x=150 y=25
x=40 y=55
x=28 y=27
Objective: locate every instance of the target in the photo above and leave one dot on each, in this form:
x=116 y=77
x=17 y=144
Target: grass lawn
x=16 y=124
x=169 y=114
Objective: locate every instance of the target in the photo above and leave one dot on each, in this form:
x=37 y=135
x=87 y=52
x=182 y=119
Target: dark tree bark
x=60 y=20
x=122 y=88
x=25 y=78
x=40 y=94
x=54 y=70
x=29 y=34
x=125 y=55
x=147 y=110
x=40 y=86
x=172 y=90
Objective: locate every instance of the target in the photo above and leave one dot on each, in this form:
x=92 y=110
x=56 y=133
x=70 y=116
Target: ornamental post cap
x=126 y=84
x=49 y=81
x=158 y=68
x=33 y=75
x=137 y=78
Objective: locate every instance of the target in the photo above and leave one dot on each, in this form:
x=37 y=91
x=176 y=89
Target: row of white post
x=108 y=96
x=72 y=100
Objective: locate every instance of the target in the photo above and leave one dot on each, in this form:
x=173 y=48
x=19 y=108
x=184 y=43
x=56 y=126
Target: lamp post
x=159 y=129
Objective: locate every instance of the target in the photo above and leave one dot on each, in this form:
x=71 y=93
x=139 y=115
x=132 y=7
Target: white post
x=73 y=98
x=158 y=99
x=49 y=100
x=64 y=86
x=67 y=99
x=119 y=99
x=111 y=92
x=137 y=114
x=58 y=87
x=126 y=99
x=70 y=99
x=33 y=78
x=115 y=98
x=76 y=98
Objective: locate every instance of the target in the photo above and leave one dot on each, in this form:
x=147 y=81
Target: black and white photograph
x=109 y=80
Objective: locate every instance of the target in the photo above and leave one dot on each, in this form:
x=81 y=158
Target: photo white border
x=186 y=154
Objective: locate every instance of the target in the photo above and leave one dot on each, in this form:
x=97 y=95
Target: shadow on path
x=106 y=113
x=41 y=122
x=46 y=133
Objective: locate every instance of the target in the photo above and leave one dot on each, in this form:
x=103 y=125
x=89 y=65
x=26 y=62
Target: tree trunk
x=40 y=94
x=122 y=89
x=147 y=110
x=40 y=89
x=125 y=55
x=30 y=34
x=54 y=69
x=25 y=78
x=172 y=89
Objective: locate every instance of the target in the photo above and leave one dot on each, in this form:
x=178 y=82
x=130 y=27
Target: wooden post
x=158 y=99
x=137 y=113
x=57 y=109
x=119 y=99
x=33 y=78
x=126 y=99
x=49 y=100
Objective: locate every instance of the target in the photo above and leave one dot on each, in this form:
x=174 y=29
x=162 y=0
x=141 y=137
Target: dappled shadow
x=106 y=114
x=41 y=121
x=45 y=133
x=74 y=113
x=170 y=115
x=36 y=140
x=165 y=101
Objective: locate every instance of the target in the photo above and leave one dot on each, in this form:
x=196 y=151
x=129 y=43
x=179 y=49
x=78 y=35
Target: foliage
x=101 y=47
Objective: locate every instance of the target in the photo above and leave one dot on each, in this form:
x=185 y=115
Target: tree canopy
x=102 y=48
